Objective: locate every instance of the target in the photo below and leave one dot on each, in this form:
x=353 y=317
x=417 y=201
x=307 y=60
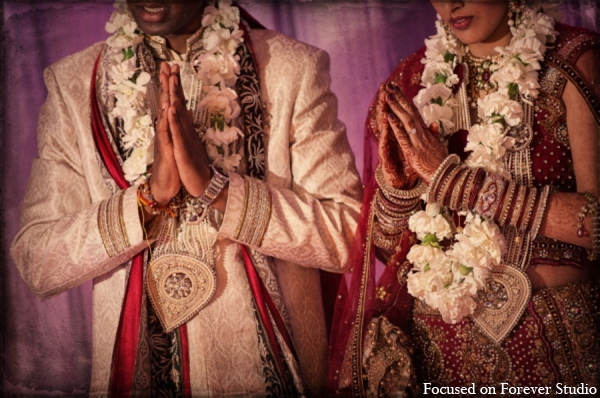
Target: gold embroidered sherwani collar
x=158 y=47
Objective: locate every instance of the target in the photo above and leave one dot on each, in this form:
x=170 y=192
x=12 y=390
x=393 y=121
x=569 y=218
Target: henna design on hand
x=422 y=150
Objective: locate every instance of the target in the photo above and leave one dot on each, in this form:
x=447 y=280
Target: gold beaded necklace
x=480 y=74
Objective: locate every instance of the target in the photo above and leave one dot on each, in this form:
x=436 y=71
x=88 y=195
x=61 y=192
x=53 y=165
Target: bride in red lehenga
x=475 y=260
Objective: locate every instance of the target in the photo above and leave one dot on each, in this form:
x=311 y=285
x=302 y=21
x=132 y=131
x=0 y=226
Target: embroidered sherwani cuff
x=118 y=222
x=248 y=210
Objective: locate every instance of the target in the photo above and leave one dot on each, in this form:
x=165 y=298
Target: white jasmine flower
x=436 y=70
x=426 y=256
x=496 y=107
x=216 y=67
x=437 y=93
x=431 y=221
x=136 y=164
x=225 y=137
x=229 y=163
x=226 y=15
x=443 y=115
x=223 y=102
x=455 y=305
x=223 y=37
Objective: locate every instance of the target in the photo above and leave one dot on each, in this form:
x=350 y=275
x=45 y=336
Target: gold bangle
x=455 y=198
x=529 y=210
x=464 y=206
x=446 y=184
x=514 y=217
x=507 y=202
x=541 y=210
x=450 y=160
x=392 y=192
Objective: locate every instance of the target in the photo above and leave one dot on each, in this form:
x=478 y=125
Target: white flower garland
x=218 y=68
x=448 y=280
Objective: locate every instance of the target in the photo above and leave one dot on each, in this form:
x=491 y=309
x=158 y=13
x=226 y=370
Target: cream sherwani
x=315 y=198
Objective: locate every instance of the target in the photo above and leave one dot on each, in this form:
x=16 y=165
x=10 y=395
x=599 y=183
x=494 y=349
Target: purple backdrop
x=46 y=344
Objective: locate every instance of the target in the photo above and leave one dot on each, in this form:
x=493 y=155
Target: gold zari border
x=256 y=213
x=112 y=225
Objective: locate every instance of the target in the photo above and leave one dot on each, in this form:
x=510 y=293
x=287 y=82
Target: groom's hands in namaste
x=420 y=146
x=180 y=156
x=164 y=181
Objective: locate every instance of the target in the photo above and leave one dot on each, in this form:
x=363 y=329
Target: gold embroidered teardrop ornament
x=179 y=286
x=178 y=283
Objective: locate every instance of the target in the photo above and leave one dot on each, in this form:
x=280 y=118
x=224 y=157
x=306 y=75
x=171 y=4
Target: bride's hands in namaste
x=421 y=149
x=389 y=153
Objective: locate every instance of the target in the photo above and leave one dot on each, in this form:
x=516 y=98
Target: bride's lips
x=152 y=12
x=460 y=23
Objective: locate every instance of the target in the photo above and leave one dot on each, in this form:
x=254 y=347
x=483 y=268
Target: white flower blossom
x=443 y=115
x=216 y=67
x=223 y=102
x=227 y=136
x=430 y=221
x=495 y=107
x=225 y=16
x=437 y=93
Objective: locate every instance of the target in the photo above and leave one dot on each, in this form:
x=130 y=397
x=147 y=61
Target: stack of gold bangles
x=393 y=207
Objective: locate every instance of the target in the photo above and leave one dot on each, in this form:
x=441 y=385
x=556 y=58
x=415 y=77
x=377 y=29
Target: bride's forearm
x=561 y=219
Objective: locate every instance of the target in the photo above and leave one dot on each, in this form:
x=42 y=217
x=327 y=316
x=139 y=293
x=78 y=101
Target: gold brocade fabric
x=557 y=340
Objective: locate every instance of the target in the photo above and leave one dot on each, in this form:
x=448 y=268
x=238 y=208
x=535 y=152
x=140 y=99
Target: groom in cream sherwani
x=201 y=192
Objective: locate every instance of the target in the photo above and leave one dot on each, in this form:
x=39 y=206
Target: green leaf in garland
x=438 y=101
x=518 y=58
x=220 y=150
x=221 y=124
x=133 y=79
x=513 y=90
x=427 y=268
x=430 y=240
x=498 y=118
x=464 y=270
x=440 y=78
x=449 y=57
x=127 y=53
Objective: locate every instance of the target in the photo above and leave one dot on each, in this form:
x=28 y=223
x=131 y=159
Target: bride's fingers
x=406 y=118
x=407 y=105
x=399 y=131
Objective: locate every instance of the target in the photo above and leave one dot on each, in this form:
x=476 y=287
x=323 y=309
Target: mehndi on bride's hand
x=393 y=165
x=422 y=151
